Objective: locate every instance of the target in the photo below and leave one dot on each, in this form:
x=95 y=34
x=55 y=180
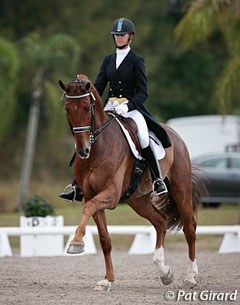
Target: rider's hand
x=121 y=109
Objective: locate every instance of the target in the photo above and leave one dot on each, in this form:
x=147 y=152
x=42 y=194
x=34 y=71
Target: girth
x=136 y=178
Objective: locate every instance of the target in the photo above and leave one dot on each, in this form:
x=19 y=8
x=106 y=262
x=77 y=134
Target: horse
x=103 y=168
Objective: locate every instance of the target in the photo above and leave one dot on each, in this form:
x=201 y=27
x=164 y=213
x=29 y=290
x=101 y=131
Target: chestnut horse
x=103 y=169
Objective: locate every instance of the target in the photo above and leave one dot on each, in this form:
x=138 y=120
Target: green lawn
x=124 y=215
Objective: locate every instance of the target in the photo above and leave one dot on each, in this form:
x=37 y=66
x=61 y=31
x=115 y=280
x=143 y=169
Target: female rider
x=124 y=71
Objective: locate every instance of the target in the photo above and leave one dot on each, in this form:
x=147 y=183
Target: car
x=221 y=172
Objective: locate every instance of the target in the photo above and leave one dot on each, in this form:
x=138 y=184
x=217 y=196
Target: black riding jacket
x=129 y=81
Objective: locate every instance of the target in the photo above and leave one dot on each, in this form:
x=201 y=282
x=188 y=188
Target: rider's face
x=122 y=40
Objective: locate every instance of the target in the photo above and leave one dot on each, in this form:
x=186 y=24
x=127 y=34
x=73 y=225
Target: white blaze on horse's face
x=79 y=112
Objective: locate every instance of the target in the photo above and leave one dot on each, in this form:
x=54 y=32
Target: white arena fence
x=143 y=242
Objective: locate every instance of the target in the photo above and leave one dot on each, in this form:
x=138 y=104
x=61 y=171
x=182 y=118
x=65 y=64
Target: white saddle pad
x=156 y=145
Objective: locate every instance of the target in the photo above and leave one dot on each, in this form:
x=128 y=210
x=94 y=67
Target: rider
x=125 y=73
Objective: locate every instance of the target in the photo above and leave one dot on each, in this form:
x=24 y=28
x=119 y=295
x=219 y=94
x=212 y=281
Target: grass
x=48 y=189
x=124 y=215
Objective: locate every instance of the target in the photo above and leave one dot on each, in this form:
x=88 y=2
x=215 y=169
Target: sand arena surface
x=70 y=280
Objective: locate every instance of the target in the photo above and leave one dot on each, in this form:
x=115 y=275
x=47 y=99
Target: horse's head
x=79 y=103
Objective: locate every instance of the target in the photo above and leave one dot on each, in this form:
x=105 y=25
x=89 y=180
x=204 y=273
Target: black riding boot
x=74 y=194
x=159 y=187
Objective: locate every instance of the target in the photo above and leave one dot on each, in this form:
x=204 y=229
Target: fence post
x=230 y=243
x=144 y=243
x=5 y=248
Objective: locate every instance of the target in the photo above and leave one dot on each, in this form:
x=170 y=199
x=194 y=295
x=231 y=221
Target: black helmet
x=123 y=26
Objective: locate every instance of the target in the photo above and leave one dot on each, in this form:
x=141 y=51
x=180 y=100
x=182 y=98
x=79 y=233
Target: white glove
x=121 y=109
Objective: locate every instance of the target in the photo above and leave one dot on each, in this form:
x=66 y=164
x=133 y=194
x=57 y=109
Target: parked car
x=222 y=174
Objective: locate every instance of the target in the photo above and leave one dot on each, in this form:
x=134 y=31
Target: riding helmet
x=123 y=26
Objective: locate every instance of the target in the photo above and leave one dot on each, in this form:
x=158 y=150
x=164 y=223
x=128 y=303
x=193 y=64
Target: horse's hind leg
x=189 y=229
x=105 y=241
x=143 y=206
x=185 y=209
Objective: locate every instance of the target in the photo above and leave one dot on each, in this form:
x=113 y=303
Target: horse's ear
x=88 y=85
x=62 y=85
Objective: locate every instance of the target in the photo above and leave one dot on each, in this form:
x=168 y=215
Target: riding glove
x=121 y=109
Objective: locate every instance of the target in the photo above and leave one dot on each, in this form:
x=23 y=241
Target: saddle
x=131 y=127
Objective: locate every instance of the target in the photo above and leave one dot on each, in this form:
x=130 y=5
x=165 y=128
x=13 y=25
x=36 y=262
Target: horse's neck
x=100 y=115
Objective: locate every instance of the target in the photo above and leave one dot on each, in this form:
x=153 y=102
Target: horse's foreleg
x=99 y=202
x=105 y=241
x=76 y=246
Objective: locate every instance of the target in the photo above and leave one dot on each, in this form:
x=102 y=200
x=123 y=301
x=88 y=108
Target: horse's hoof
x=190 y=281
x=167 y=279
x=103 y=285
x=75 y=247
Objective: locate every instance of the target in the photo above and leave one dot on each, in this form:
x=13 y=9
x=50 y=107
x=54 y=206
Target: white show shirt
x=121 y=54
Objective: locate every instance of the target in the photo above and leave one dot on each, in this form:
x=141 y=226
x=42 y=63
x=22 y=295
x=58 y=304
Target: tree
x=177 y=81
x=8 y=72
x=203 y=19
x=44 y=58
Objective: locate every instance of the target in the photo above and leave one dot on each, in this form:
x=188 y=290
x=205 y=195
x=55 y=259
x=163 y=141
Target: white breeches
x=142 y=133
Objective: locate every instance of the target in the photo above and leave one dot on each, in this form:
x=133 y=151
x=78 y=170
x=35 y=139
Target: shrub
x=38 y=206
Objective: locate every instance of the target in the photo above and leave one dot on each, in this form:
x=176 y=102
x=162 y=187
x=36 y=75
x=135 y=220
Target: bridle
x=90 y=127
x=93 y=134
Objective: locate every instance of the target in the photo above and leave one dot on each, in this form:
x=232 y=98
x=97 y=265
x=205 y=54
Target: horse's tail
x=198 y=190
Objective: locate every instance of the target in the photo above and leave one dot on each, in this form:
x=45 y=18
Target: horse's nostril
x=84 y=152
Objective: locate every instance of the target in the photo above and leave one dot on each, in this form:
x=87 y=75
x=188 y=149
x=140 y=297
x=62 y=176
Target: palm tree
x=43 y=59
x=204 y=18
x=8 y=72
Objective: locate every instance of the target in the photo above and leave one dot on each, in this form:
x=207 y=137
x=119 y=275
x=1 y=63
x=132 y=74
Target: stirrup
x=73 y=189
x=163 y=186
